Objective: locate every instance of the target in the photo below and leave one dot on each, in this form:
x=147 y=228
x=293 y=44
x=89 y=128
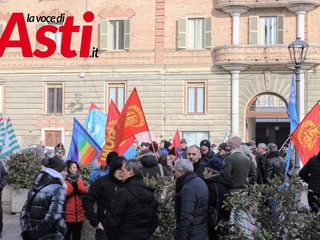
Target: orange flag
x=131 y=120
x=306 y=137
x=113 y=116
x=176 y=144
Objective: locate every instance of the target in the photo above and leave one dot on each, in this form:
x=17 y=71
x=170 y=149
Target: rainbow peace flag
x=83 y=149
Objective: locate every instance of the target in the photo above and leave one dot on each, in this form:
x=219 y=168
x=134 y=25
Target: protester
x=101 y=192
x=150 y=166
x=275 y=164
x=283 y=154
x=191 y=203
x=3 y=183
x=59 y=150
x=208 y=154
x=194 y=155
x=40 y=149
x=184 y=147
x=241 y=170
x=310 y=173
x=96 y=173
x=133 y=211
x=261 y=165
x=42 y=216
x=74 y=211
x=219 y=185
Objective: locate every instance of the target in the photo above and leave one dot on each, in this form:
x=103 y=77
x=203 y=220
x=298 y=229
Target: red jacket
x=74 y=210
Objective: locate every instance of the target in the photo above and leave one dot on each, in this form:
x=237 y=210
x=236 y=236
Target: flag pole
x=285 y=142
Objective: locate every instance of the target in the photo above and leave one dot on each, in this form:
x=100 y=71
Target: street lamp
x=298 y=52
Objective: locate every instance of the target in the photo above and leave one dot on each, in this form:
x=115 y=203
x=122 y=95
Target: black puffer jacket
x=45 y=218
x=310 y=173
x=275 y=166
x=191 y=208
x=101 y=192
x=150 y=165
x=133 y=211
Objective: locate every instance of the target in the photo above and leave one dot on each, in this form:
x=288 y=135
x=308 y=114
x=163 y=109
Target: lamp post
x=298 y=52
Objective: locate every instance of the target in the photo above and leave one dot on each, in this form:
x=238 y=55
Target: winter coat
x=310 y=173
x=151 y=166
x=275 y=166
x=45 y=218
x=74 y=209
x=101 y=192
x=133 y=211
x=191 y=208
x=198 y=168
x=239 y=167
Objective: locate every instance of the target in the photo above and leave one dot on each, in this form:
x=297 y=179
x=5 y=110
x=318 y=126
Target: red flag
x=113 y=116
x=306 y=137
x=131 y=120
x=176 y=144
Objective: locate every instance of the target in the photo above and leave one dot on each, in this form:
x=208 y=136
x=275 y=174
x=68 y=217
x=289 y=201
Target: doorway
x=267 y=119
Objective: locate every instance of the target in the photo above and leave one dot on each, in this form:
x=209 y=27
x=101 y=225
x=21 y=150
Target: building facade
x=203 y=67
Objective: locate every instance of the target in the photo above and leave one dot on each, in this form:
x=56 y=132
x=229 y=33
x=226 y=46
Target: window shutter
x=126 y=34
x=104 y=24
x=182 y=33
x=40 y=46
x=207 y=34
x=1 y=28
x=254 y=30
x=280 y=28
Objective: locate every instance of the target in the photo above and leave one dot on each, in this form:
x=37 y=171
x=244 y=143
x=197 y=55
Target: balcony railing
x=260 y=54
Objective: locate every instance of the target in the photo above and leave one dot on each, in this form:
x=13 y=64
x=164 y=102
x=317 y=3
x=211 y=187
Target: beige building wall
x=154 y=66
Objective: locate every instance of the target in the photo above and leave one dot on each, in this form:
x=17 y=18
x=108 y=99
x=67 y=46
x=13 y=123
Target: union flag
x=111 y=132
x=306 y=137
x=131 y=120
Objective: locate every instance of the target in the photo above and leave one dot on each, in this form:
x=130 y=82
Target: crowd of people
x=120 y=206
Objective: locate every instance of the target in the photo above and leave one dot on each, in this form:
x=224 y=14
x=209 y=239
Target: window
x=115 y=35
x=196 y=95
x=56 y=37
x=194 y=138
x=266 y=30
x=1 y=98
x=194 y=33
x=54 y=97
x=116 y=92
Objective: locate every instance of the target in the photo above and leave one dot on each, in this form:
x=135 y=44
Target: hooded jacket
x=191 y=208
x=44 y=218
x=133 y=211
x=150 y=165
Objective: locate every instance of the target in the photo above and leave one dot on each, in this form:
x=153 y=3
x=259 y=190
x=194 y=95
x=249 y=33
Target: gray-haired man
x=191 y=205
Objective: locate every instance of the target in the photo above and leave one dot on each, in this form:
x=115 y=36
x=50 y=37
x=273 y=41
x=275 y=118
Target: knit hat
x=116 y=164
x=155 y=146
x=110 y=157
x=55 y=163
x=213 y=165
x=183 y=140
x=223 y=146
x=205 y=143
x=235 y=141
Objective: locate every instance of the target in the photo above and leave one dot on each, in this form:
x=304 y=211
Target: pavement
x=11 y=227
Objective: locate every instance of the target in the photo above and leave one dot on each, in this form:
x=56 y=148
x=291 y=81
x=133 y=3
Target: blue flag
x=292 y=110
x=95 y=124
x=83 y=148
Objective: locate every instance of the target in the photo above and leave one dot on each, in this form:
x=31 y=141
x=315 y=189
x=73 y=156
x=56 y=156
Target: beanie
x=205 y=143
x=110 y=156
x=213 y=165
x=55 y=163
x=223 y=146
x=235 y=141
x=183 y=140
x=116 y=164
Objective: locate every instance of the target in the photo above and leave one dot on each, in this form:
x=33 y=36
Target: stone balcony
x=258 y=55
x=225 y=4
